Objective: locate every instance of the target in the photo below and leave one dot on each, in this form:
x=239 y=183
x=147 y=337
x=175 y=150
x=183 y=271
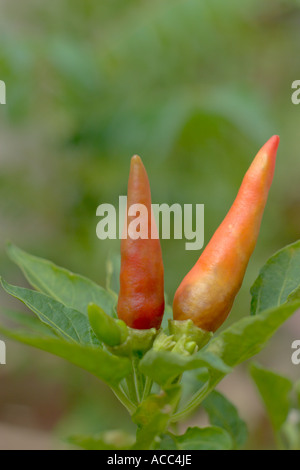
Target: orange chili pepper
x=207 y=292
x=141 y=297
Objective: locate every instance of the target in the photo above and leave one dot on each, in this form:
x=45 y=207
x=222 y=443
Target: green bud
x=191 y=347
x=107 y=329
x=123 y=330
x=187 y=328
x=180 y=346
x=163 y=342
x=137 y=342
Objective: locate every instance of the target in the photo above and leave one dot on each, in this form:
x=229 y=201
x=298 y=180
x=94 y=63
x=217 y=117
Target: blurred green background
x=195 y=88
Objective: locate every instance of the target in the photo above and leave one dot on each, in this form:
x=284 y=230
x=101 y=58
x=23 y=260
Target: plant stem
x=147 y=387
x=131 y=388
x=196 y=400
x=129 y=405
x=137 y=380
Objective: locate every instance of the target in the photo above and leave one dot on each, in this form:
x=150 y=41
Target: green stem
x=147 y=388
x=131 y=388
x=137 y=380
x=196 y=400
x=124 y=399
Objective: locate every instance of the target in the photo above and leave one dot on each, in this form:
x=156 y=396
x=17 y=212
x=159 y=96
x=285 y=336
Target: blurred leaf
x=31 y=322
x=74 y=61
x=224 y=414
x=279 y=277
x=290 y=431
x=71 y=289
x=153 y=416
x=210 y=438
x=113 y=266
x=68 y=323
x=167 y=443
x=109 y=440
x=105 y=366
x=275 y=391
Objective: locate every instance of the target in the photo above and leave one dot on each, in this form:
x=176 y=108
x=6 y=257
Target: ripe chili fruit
x=207 y=292
x=141 y=298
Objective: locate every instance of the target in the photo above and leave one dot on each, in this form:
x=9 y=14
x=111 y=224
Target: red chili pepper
x=207 y=292
x=141 y=297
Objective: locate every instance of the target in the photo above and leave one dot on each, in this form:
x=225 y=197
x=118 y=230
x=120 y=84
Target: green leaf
x=193 y=382
x=163 y=366
x=210 y=438
x=153 y=416
x=67 y=322
x=220 y=410
x=224 y=414
x=275 y=391
x=105 y=366
x=71 y=289
x=109 y=440
x=247 y=337
x=167 y=443
x=295 y=295
x=277 y=279
x=29 y=321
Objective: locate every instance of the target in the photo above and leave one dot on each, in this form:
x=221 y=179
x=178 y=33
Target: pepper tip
x=136 y=159
x=273 y=142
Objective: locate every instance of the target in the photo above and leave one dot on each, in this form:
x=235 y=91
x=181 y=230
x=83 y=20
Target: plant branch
x=129 y=405
x=196 y=400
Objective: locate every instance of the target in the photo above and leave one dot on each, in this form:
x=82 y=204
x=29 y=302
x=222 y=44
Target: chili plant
x=160 y=367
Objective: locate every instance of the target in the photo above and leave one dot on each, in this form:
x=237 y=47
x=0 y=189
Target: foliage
x=148 y=375
x=191 y=86
x=281 y=399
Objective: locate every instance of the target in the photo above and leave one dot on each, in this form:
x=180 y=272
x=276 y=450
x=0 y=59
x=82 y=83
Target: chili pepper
x=207 y=292
x=141 y=297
